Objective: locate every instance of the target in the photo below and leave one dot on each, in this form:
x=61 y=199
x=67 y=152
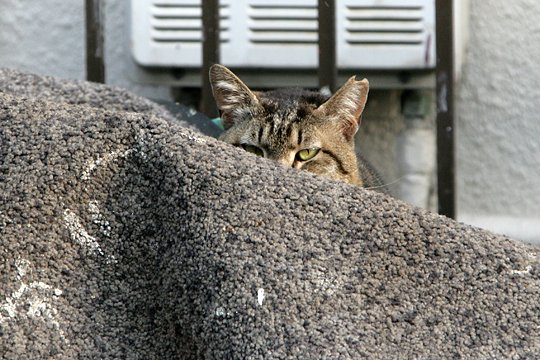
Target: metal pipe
x=327 y=44
x=210 y=53
x=445 y=108
x=95 y=46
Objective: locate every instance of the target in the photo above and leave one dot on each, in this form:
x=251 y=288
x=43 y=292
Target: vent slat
x=292 y=32
x=193 y=4
x=383 y=31
x=285 y=23
x=182 y=36
x=394 y=25
x=384 y=15
x=280 y=41
x=184 y=12
x=175 y=24
x=286 y=37
x=394 y=36
x=181 y=12
x=181 y=22
x=184 y=17
x=300 y=25
x=404 y=26
x=385 y=8
x=384 y=42
x=265 y=7
x=183 y=41
x=283 y=13
x=184 y=28
x=384 y=18
x=176 y=3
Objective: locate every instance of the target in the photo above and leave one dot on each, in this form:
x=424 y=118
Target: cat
x=297 y=128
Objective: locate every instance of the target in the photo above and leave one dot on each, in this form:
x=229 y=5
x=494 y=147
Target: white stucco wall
x=120 y=67
x=498 y=119
x=44 y=37
x=48 y=37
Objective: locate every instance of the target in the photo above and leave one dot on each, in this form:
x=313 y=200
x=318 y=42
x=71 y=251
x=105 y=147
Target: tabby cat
x=297 y=128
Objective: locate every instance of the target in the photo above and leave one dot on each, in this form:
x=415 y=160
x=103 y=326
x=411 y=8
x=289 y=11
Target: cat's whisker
x=385 y=185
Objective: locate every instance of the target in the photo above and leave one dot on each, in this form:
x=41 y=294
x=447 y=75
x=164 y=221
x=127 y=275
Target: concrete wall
x=120 y=67
x=498 y=126
x=45 y=37
x=498 y=121
x=48 y=37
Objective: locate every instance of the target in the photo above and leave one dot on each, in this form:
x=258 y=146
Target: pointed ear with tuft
x=347 y=105
x=232 y=96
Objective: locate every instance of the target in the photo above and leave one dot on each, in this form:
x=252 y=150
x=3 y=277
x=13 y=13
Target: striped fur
x=281 y=123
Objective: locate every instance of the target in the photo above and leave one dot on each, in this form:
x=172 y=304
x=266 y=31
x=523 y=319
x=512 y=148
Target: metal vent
x=181 y=22
x=371 y=34
x=385 y=25
x=278 y=24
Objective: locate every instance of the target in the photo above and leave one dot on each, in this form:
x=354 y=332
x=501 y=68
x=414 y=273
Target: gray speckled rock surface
x=79 y=93
x=123 y=235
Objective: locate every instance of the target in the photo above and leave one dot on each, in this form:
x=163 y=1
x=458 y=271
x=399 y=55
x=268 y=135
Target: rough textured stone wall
x=126 y=236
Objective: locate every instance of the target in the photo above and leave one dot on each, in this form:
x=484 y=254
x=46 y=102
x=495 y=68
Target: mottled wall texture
x=498 y=126
x=45 y=37
x=498 y=132
x=48 y=37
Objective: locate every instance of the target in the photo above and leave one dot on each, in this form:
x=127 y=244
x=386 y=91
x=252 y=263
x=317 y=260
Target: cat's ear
x=347 y=105
x=233 y=97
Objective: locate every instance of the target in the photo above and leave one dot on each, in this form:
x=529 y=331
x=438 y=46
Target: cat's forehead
x=283 y=120
x=291 y=98
x=291 y=104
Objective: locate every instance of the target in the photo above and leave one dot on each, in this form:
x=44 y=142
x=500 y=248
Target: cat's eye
x=253 y=149
x=307 y=154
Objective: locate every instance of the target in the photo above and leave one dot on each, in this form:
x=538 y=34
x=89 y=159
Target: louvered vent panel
x=385 y=25
x=371 y=34
x=180 y=22
x=277 y=24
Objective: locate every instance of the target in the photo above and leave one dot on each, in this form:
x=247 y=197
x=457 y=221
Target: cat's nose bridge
x=285 y=162
x=283 y=159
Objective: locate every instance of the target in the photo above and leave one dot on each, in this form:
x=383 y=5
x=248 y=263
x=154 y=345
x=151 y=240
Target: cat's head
x=298 y=128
